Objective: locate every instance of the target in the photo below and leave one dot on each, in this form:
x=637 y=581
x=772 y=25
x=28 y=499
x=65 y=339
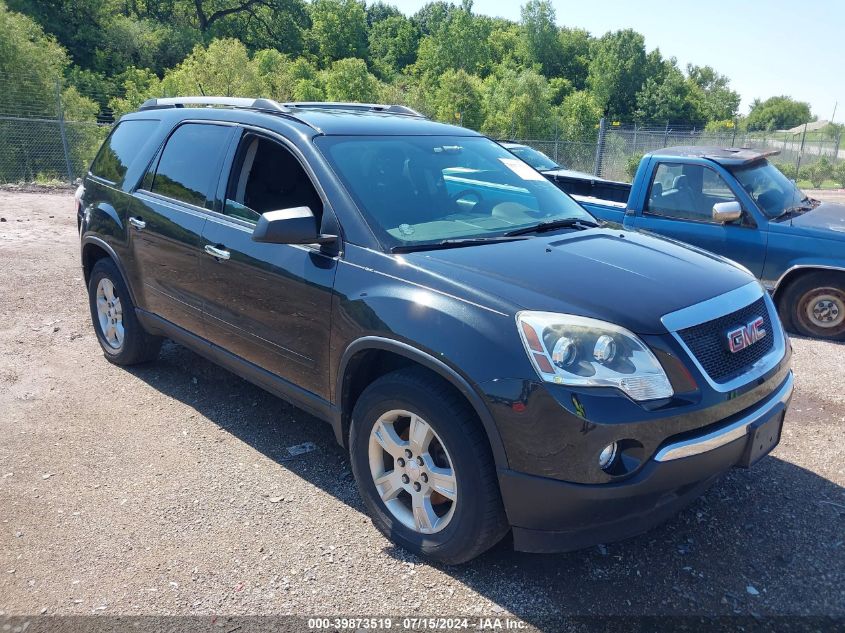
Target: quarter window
x=121 y=148
x=190 y=162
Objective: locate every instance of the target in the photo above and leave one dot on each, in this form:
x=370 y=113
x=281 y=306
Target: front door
x=680 y=205
x=268 y=303
x=167 y=217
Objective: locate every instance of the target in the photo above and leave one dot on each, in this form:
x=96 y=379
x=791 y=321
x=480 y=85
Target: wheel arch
x=802 y=270
x=370 y=357
x=95 y=249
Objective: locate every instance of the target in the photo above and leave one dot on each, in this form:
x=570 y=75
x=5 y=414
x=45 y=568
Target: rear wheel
x=123 y=340
x=816 y=305
x=424 y=468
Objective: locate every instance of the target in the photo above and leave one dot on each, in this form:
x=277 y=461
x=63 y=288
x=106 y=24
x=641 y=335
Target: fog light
x=607 y=456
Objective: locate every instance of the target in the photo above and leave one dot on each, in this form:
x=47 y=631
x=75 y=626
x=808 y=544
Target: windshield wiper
x=551 y=225
x=453 y=243
x=806 y=204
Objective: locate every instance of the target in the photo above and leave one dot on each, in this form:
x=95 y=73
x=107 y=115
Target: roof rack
x=360 y=107
x=231 y=102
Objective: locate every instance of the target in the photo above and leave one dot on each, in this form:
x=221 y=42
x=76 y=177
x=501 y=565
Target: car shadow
x=762 y=541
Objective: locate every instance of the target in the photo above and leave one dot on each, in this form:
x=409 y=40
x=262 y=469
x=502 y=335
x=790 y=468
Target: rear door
x=679 y=204
x=167 y=219
x=269 y=304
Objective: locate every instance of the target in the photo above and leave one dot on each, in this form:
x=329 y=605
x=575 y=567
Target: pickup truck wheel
x=424 y=468
x=816 y=304
x=119 y=333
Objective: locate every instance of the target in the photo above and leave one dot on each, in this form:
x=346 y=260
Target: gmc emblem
x=743 y=336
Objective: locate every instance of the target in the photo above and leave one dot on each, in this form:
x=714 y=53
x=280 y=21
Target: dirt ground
x=168 y=489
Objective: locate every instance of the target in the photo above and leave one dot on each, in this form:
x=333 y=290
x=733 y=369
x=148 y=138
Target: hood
x=827 y=217
x=624 y=277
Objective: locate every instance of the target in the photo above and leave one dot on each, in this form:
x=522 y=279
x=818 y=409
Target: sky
x=766 y=47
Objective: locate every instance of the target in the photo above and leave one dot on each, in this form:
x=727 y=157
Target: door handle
x=138 y=223
x=217 y=253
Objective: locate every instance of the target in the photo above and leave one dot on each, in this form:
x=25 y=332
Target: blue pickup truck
x=735 y=203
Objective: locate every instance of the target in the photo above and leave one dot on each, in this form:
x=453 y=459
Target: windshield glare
x=535 y=158
x=773 y=192
x=425 y=189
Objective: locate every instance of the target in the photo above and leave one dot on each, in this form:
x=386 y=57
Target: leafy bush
x=839 y=173
x=632 y=165
x=788 y=170
x=817 y=172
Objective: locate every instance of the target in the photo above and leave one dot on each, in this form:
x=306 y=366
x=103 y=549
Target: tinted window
x=423 y=189
x=120 y=149
x=266 y=177
x=687 y=192
x=190 y=162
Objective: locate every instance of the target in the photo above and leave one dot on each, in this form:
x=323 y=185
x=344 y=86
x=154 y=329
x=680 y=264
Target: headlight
x=578 y=351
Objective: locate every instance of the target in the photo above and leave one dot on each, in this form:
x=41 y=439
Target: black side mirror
x=296 y=225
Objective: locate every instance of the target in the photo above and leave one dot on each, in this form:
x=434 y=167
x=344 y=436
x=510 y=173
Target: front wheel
x=424 y=468
x=816 y=305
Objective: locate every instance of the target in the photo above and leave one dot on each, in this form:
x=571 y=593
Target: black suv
x=492 y=358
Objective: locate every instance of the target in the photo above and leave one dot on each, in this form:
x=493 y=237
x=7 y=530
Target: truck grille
x=708 y=342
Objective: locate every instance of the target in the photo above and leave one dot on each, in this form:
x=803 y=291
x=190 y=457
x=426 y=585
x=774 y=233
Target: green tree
x=778 y=113
x=578 y=116
x=617 y=71
x=379 y=11
x=719 y=101
x=138 y=84
x=277 y=24
x=223 y=68
x=503 y=43
x=672 y=99
x=393 y=44
x=338 y=29
x=77 y=24
x=458 y=42
x=540 y=39
x=349 y=80
x=457 y=99
x=432 y=16
x=516 y=104
x=32 y=64
x=575 y=56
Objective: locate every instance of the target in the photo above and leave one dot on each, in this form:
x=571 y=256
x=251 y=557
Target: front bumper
x=549 y=515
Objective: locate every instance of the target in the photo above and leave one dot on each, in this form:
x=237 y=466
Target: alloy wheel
x=110 y=313
x=412 y=471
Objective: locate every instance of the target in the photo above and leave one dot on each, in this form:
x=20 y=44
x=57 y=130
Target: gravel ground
x=168 y=489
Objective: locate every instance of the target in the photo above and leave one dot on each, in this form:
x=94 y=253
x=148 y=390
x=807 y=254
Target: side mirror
x=724 y=212
x=296 y=225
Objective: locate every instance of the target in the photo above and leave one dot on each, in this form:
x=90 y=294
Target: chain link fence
x=617 y=149
x=48 y=133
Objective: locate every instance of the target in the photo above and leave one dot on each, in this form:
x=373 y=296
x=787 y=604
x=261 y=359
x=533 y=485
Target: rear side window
x=121 y=148
x=190 y=162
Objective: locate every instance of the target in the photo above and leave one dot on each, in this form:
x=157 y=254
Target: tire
x=474 y=519
x=130 y=344
x=815 y=304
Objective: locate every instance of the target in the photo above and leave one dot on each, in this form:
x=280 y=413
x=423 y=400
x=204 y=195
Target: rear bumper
x=548 y=515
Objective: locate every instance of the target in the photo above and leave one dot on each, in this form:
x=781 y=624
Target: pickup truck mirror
x=724 y=212
x=296 y=225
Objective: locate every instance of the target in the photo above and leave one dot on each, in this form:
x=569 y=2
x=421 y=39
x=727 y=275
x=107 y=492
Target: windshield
x=538 y=160
x=773 y=192
x=426 y=189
